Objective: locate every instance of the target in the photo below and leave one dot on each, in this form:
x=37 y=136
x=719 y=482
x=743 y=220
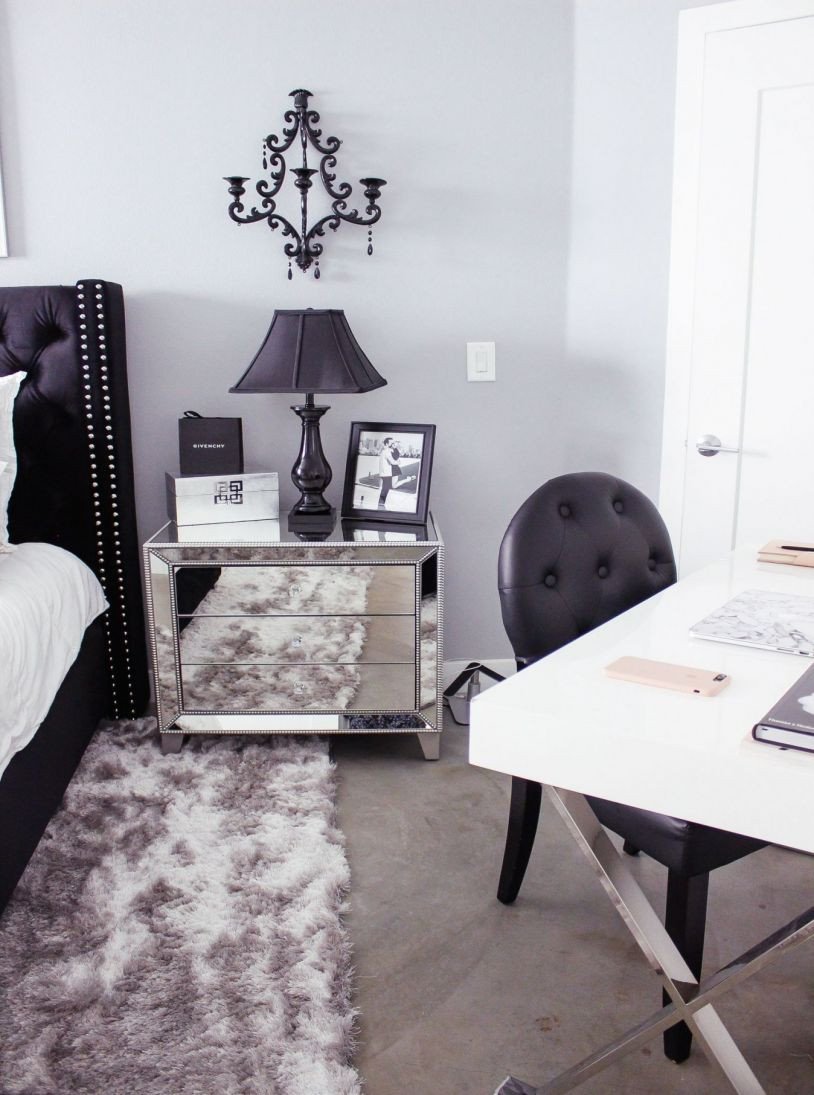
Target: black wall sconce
x=305 y=248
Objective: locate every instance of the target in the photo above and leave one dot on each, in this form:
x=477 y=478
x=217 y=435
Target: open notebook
x=760 y=618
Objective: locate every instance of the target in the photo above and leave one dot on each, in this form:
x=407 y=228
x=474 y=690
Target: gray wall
x=117 y=121
x=619 y=247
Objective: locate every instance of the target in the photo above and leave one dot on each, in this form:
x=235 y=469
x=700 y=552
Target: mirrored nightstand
x=286 y=635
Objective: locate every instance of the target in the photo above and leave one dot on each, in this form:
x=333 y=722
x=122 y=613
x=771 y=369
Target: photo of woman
x=388 y=469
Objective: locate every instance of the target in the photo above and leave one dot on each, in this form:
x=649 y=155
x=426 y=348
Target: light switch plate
x=480 y=361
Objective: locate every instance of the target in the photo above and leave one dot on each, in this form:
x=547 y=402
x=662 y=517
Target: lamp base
x=311 y=473
x=312 y=524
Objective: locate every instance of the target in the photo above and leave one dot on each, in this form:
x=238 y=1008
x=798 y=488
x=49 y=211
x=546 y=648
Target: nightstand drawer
x=300 y=639
x=256 y=590
x=336 y=687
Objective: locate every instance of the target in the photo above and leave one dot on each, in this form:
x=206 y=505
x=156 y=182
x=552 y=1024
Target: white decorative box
x=215 y=499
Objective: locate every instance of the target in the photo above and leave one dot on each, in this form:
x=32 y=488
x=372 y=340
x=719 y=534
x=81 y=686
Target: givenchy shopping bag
x=210 y=446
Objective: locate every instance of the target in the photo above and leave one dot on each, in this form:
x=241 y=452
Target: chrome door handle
x=710 y=445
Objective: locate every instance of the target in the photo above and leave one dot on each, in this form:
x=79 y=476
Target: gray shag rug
x=179 y=927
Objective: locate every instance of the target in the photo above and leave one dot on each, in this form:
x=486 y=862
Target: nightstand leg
x=171 y=743
x=430 y=745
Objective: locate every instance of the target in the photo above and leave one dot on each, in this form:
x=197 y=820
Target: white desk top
x=562 y=722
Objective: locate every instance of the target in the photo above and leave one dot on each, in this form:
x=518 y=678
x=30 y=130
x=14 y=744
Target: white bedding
x=48 y=598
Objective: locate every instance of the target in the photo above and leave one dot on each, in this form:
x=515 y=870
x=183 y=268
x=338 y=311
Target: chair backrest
x=580 y=550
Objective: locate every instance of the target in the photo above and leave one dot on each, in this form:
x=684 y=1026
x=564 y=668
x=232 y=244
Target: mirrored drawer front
x=300 y=639
x=254 y=590
x=293 y=688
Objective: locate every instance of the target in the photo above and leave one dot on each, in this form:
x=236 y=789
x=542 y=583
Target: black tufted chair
x=582 y=549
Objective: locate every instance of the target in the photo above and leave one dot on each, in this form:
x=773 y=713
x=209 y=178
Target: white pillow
x=9 y=386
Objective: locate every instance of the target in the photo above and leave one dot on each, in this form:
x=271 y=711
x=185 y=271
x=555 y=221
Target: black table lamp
x=310 y=351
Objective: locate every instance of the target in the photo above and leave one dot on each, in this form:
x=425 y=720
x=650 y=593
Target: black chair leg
x=524 y=813
x=685 y=921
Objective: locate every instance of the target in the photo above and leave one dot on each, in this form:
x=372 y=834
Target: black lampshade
x=309 y=350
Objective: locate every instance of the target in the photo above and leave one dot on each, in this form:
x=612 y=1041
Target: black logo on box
x=229 y=493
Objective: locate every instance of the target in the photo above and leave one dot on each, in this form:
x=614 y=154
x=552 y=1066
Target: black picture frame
x=407 y=500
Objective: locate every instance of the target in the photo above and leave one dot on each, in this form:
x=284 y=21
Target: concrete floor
x=456 y=991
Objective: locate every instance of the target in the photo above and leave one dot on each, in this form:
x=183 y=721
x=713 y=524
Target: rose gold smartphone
x=680 y=678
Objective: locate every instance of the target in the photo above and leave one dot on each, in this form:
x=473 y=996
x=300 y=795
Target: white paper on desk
x=763 y=619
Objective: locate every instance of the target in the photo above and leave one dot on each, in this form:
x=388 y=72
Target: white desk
x=563 y=723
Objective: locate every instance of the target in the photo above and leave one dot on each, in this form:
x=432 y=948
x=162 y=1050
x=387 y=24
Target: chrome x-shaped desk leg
x=690 y=1001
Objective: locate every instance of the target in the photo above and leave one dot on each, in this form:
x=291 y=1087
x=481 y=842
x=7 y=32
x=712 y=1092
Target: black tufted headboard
x=74 y=483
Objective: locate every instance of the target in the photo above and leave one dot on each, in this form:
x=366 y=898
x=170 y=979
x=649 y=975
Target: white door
x=740 y=348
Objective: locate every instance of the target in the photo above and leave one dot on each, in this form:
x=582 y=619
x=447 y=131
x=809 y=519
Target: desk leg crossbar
x=689 y=1001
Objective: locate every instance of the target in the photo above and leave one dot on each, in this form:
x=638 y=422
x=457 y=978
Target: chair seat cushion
x=685 y=847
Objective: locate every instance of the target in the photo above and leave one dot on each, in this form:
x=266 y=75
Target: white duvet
x=48 y=598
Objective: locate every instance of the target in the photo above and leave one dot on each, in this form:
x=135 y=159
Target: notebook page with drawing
x=763 y=619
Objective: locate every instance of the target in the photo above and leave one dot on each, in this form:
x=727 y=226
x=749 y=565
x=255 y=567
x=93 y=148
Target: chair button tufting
x=651 y=563
x=602 y=572
x=550 y=580
x=618 y=506
x=565 y=511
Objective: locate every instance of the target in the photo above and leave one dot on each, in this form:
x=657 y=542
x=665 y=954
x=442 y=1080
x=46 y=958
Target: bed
x=74 y=489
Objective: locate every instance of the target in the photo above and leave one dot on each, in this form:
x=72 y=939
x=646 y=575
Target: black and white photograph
x=388 y=471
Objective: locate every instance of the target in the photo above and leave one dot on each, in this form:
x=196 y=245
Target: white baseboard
x=504 y=666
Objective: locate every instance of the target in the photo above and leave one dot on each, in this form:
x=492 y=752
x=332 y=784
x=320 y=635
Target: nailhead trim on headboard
x=96 y=383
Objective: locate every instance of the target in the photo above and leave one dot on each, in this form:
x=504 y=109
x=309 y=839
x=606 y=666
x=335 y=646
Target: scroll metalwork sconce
x=305 y=249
